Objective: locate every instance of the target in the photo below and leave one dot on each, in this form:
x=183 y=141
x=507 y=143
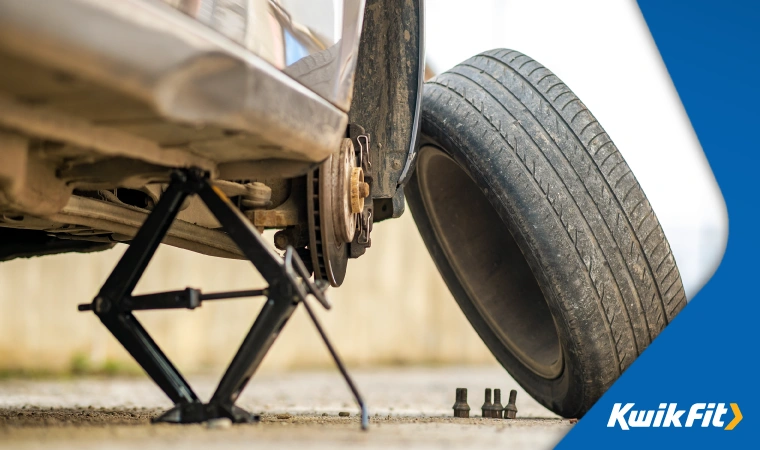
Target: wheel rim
x=488 y=263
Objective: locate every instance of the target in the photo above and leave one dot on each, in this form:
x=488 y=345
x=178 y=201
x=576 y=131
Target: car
x=200 y=124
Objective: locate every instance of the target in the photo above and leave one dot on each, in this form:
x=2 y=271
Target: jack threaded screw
x=461 y=408
x=487 y=405
x=497 y=406
x=510 y=411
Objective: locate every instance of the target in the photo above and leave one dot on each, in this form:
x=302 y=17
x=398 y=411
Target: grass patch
x=80 y=365
x=35 y=374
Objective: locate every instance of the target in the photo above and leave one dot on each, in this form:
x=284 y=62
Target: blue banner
x=697 y=384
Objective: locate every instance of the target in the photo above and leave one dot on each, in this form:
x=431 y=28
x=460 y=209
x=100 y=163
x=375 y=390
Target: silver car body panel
x=180 y=69
x=313 y=41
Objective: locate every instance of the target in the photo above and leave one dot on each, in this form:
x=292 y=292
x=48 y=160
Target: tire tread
x=575 y=164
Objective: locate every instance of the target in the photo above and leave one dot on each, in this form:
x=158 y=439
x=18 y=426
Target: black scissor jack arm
x=288 y=285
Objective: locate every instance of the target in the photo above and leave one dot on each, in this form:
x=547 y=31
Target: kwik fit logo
x=668 y=415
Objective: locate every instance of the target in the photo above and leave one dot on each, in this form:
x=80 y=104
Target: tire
x=540 y=230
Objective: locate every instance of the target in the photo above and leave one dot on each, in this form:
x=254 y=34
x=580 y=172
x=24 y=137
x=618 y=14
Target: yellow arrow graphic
x=737 y=417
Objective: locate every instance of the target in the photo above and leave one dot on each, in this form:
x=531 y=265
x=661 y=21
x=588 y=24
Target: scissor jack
x=289 y=285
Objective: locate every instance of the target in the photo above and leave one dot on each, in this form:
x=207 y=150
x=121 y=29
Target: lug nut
x=461 y=408
x=487 y=405
x=510 y=411
x=497 y=406
x=492 y=410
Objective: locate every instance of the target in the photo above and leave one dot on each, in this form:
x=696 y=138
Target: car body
x=98 y=99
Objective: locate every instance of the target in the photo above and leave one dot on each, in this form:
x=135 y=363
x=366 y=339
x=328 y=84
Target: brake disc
x=332 y=224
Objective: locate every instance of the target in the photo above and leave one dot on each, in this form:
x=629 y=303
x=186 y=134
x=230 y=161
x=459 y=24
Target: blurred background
x=394 y=309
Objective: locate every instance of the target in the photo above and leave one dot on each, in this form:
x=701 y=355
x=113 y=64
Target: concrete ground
x=409 y=408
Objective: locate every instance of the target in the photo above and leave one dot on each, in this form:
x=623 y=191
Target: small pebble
x=344 y=414
x=219 y=424
x=284 y=416
x=324 y=414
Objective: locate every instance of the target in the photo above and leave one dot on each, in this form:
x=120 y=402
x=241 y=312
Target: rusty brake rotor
x=331 y=213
